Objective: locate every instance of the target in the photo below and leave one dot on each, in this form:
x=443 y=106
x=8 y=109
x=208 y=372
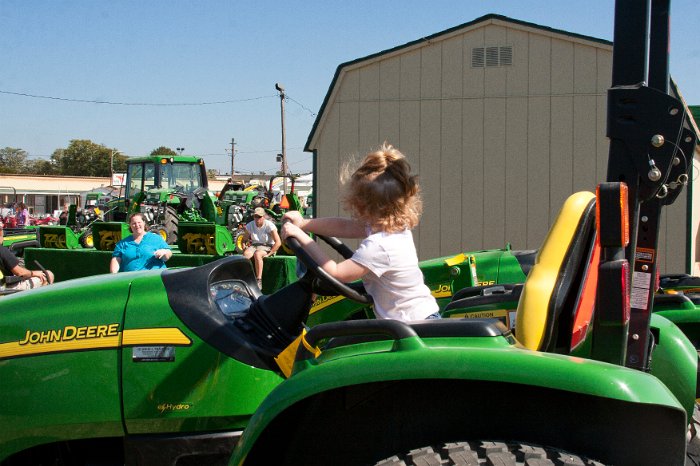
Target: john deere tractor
x=165 y=187
x=589 y=374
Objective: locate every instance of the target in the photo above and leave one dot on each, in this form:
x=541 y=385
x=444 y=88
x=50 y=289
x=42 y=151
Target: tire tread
x=487 y=453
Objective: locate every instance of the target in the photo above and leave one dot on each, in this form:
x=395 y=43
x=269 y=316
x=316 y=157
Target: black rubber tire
x=692 y=451
x=170 y=223
x=487 y=453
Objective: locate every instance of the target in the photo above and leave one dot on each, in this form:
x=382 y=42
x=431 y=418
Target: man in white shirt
x=264 y=241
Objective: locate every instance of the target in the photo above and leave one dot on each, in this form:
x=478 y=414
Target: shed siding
x=472 y=186
x=328 y=166
x=498 y=148
x=516 y=170
x=538 y=172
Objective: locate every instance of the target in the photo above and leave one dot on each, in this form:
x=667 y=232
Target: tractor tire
x=487 y=453
x=87 y=240
x=692 y=451
x=170 y=222
x=239 y=241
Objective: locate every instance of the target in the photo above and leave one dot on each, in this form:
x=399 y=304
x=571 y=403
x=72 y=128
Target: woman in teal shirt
x=140 y=251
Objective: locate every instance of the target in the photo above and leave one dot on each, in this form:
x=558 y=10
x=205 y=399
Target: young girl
x=383 y=200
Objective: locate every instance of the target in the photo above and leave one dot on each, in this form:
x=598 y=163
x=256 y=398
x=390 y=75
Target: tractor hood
x=72 y=315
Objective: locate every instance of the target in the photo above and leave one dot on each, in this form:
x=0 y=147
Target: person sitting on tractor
x=384 y=201
x=264 y=241
x=17 y=278
x=142 y=250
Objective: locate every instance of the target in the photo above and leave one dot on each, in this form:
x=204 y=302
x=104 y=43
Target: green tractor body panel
x=123 y=365
x=68 y=350
x=444 y=276
x=675 y=360
x=172 y=392
x=359 y=372
x=58 y=237
x=204 y=238
x=155 y=196
x=106 y=235
x=18 y=240
x=16 y=237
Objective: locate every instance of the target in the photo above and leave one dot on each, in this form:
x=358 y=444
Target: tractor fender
x=478 y=387
x=675 y=359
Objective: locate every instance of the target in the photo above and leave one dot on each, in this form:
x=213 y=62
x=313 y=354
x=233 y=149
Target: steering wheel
x=323 y=276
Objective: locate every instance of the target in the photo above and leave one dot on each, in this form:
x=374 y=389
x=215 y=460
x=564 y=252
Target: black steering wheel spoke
x=326 y=280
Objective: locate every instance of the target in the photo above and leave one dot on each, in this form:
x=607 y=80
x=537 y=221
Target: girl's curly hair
x=383 y=193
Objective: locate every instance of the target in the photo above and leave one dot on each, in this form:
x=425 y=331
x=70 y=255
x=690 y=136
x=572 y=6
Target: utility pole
x=233 y=154
x=279 y=88
x=111 y=165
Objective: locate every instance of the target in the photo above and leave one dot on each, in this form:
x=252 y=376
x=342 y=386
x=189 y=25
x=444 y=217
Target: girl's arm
x=342 y=227
x=345 y=271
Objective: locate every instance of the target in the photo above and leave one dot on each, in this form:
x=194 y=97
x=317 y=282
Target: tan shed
x=502 y=119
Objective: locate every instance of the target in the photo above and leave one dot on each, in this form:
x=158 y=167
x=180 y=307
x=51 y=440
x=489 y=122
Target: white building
x=501 y=119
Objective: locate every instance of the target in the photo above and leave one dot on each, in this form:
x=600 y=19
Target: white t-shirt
x=394 y=280
x=261 y=235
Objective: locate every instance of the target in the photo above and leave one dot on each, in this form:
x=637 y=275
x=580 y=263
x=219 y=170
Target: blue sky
x=160 y=52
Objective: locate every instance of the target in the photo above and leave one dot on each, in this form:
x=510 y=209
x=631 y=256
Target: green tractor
x=169 y=367
x=588 y=375
x=164 y=187
x=172 y=193
x=241 y=203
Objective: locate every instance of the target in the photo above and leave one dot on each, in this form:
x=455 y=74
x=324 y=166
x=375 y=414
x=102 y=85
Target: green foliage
x=41 y=167
x=83 y=157
x=12 y=160
x=162 y=150
x=211 y=174
x=119 y=162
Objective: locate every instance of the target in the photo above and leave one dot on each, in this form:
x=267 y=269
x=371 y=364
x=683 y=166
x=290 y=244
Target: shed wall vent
x=492 y=56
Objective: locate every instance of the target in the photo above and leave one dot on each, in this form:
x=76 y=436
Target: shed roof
x=486 y=19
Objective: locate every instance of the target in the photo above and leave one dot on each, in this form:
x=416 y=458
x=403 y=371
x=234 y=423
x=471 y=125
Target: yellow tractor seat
x=558 y=281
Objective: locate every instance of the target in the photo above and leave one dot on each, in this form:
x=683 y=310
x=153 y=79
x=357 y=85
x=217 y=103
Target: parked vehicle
x=590 y=374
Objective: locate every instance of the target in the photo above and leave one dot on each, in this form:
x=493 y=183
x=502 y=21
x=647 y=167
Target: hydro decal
x=173 y=407
x=89 y=337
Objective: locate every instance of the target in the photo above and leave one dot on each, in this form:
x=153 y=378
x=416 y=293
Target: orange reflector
x=583 y=315
x=612 y=215
x=624 y=277
x=284 y=203
x=624 y=214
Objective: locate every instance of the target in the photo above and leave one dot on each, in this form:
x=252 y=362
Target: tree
x=212 y=173
x=41 y=167
x=162 y=150
x=12 y=160
x=119 y=162
x=83 y=157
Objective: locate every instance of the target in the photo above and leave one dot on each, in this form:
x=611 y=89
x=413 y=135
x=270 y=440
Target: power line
x=313 y=114
x=155 y=104
x=135 y=104
x=255 y=151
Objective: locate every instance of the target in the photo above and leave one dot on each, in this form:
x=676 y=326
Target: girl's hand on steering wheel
x=290 y=230
x=294 y=216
